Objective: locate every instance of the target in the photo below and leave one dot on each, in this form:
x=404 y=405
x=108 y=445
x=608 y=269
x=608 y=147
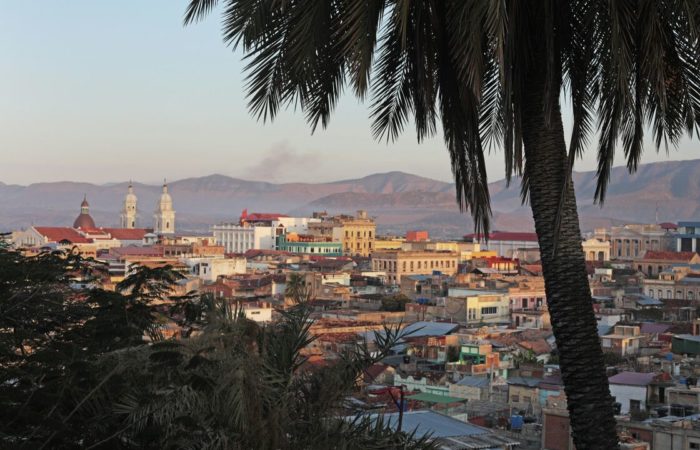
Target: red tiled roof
x=262 y=216
x=668 y=226
x=58 y=234
x=506 y=236
x=126 y=234
x=669 y=256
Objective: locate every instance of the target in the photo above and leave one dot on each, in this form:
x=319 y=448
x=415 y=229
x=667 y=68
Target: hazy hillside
x=399 y=200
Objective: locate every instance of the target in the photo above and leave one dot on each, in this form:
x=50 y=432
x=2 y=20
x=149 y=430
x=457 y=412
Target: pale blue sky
x=105 y=91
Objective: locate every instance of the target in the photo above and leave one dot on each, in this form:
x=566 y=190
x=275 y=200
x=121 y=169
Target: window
x=669 y=294
x=489 y=310
x=635 y=405
x=515 y=398
x=526 y=399
x=693 y=445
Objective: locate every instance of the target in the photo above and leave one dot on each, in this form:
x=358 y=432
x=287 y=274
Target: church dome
x=84 y=220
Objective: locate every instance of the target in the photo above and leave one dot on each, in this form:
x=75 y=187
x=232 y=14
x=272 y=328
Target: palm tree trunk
x=566 y=282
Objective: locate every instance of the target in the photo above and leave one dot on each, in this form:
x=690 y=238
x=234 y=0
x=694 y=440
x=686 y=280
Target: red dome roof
x=84 y=221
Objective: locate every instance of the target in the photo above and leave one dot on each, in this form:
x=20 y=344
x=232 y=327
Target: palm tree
x=493 y=73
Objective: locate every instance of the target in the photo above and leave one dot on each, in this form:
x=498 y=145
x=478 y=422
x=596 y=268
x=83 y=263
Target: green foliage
x=89 y=369
x=396 y=302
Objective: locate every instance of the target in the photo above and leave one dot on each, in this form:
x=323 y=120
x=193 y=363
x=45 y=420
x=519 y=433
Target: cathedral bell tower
x=127 y=218
x=164 y=215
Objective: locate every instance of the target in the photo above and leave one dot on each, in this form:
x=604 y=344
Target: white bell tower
x=127 y=218
x=164 y=216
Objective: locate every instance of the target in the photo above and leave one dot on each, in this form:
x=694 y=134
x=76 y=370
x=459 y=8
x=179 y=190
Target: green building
x=309 y=245
x=686 y=344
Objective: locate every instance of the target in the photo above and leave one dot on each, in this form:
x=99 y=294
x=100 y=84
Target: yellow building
x=397 y=263
x=357 y=234
x=388 y=244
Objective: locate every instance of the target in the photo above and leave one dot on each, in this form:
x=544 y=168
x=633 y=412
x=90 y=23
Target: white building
x=164 y=215
x=258 y=312
x=476 y=306
x=631 y=390
x=210 y=268
x=237 y=238
x=507 y=244
x=241 y=238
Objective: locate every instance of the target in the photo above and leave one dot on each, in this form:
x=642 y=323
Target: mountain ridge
x=400 y=200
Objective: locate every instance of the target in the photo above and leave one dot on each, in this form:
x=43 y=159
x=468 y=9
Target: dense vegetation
x=89 y=368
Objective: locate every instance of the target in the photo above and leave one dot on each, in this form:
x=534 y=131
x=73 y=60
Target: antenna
x=657 y=213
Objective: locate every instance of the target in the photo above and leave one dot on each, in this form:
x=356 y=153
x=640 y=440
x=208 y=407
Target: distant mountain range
x=398 y=200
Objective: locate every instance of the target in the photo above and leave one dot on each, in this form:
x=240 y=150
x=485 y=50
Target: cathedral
x=163 y=216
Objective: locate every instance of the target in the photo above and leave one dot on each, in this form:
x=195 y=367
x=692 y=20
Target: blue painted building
x=688 y=237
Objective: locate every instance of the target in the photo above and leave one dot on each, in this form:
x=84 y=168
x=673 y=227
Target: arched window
x=661 y=293
x=651 y=293
x=691 y=295
x=669 y=294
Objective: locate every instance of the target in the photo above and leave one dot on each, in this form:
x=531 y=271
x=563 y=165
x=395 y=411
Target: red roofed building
x=653 y=262
x=126 y=234
x=259 y=217
x=84 y=220
x=506 y=243
x=60 y=235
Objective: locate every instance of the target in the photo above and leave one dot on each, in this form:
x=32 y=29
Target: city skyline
x=104 y=92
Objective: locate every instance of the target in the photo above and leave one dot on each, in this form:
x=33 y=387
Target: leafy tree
x=53 y=337
x=89 y=369
x=395 y=302
x=493 y=72
x=250 y=387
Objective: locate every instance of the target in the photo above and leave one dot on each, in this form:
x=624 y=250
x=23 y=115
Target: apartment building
x=397 y=263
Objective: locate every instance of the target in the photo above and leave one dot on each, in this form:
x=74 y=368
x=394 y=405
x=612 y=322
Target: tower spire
x=127 y=218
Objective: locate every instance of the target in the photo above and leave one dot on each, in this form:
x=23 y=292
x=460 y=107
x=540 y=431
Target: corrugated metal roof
x=479 y=382
x=437 y=425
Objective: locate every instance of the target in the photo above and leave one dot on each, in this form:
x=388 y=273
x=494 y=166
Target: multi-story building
x=258 y=231
x=679 y=282
x=631 y=241
x=309 y=245
x=507 y=244
x=624 y=341
x=357 y=234
x=651 y=263
x=397 y=263
x=688 y=237
x=477 y=306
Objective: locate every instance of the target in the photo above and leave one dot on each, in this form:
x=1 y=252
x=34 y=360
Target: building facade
x=688 y=237
x=631 y=241
x=397 y=263
x=357 y=234
x=309 y=245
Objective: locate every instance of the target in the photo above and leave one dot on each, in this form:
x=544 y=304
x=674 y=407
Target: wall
x=623 y=394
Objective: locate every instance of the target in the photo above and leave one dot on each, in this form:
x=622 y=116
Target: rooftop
x=61 y=234
x=632 y=378
x=506 y=236
x=433 y=423
x=668 y=256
